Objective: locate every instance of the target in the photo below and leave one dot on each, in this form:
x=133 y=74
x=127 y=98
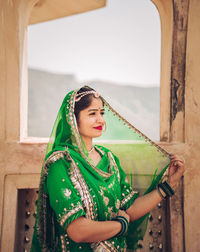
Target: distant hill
x=139 y=105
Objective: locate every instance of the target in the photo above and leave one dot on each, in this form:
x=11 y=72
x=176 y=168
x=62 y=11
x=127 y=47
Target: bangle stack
x=124 y=223
x=166 y=188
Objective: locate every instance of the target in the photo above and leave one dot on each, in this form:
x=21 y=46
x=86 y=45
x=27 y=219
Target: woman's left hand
x=176 y=169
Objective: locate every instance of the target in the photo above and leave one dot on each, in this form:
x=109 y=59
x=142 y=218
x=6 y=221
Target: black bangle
x=166 y=188
x=162 y=196
x=124 y=223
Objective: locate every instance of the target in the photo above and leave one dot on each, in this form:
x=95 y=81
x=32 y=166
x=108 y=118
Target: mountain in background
x=139 y=105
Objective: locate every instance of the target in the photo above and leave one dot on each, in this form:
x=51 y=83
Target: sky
x=120 y=43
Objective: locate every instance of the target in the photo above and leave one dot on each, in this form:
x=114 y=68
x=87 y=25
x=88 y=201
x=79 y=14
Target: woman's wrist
x=161 y=193
x=170 y=181
x=172 y=184
x=165 y=190
x=124 y=225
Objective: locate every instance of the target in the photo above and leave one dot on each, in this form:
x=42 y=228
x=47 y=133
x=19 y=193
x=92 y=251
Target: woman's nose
x=100 y=118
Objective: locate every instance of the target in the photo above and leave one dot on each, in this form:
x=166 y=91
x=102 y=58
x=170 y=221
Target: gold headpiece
x=81 y=95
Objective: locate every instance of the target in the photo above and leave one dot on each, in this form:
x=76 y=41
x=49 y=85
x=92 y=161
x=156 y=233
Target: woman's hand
x=176 y=169
x=124 y=214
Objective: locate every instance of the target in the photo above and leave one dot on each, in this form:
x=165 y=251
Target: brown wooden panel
x=26 y=212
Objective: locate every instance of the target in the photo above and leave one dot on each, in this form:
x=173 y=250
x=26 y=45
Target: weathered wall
x=13 y=23
x=192 y=129
x=180 y=123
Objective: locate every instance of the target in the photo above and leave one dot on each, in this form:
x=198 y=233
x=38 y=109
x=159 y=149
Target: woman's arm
x=143 y=205
x=85 y=230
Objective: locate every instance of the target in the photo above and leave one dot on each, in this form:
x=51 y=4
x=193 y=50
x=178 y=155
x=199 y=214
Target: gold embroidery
x=82 y=187
x=118 y=204
x=110 y=246
x=67 y=192
x=100 y=150
x=54 y=157
x=111 y=212
x=127 y=198
x=70 y=213
x=62 y=238
x=114 y=165
x=106 y=200
x=103 y=246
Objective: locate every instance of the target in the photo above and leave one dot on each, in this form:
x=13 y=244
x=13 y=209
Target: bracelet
x=162 y=196
x=124 y=223
x=169 y=188
x=166 y=188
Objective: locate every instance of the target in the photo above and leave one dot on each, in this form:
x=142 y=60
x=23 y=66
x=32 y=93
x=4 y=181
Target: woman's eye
x=94 y=113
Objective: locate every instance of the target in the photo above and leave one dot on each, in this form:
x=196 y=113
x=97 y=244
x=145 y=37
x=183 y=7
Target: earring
x=105 y=128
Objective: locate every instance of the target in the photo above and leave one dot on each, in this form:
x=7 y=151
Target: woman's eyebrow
x=95 y=109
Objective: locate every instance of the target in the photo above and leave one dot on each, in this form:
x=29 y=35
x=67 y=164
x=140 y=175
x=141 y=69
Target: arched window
x=115 y=49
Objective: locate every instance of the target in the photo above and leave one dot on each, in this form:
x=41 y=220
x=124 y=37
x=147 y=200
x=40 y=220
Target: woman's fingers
x=177 y=165
x=123 y=213
x=176 y=170
x=175 y=157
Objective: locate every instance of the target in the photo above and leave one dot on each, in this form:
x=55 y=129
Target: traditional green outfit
x=72 y=186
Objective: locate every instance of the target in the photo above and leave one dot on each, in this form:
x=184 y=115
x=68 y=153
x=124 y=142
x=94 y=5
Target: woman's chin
x=97 y=134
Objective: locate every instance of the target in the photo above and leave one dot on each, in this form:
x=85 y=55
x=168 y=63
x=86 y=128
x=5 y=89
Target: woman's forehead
x=96 y=103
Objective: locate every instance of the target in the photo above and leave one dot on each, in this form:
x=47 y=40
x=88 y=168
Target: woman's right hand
x=124 y=214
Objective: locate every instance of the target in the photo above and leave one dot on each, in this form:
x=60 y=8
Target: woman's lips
x=98 y=128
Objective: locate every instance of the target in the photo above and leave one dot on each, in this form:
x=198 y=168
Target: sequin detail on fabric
x=69 y=214
x=44 y=213
x=127 y=198
x=82 y=187
x=63 y=246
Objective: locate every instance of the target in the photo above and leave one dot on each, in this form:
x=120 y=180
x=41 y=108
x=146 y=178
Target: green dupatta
x=71 y=186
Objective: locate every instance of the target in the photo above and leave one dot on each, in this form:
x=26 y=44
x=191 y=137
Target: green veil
x=143 y=161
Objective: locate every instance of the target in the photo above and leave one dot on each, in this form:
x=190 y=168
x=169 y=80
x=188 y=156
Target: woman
x=85 y=201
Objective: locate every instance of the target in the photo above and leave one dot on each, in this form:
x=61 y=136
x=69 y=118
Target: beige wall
x=192 y=130
x=182 y=134
x=20 y=163
x=52 y=9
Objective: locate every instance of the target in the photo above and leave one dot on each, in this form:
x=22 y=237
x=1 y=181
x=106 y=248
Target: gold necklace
x=91 y=150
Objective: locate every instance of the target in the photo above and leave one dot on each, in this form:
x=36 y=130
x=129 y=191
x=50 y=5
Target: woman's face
x=91 y=120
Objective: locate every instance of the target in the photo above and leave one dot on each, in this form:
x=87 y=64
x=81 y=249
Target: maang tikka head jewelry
x=81 y=95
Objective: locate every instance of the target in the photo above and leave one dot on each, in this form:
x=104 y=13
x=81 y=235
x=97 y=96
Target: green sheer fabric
x=72 y=186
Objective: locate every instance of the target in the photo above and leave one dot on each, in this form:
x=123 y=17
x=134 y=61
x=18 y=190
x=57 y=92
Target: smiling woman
x=85 y=200
x=91 y=122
